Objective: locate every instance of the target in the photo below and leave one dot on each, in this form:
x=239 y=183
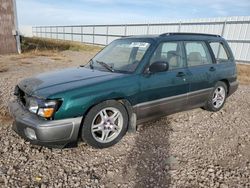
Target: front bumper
x=50 y=133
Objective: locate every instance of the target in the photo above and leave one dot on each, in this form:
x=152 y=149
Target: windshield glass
x=122 y=55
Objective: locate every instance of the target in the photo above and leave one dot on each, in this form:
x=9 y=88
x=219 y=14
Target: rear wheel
x=217 y=98
x=105 y=124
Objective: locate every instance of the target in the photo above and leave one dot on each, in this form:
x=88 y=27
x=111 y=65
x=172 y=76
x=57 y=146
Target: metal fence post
x=107 y=33
x=125 y=30
x=222 y=34
x=50 y=32
x=179 y=28
x=81 y=34
x=71 y=33
x=223 y=28
x=56 y=32
x=148 y=29
x=93 y=34
x=33 y=31
x=63 y=33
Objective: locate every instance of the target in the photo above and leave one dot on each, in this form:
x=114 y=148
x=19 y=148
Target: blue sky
x=67 y=12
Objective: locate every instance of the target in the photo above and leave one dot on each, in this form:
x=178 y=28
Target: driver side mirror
x=158 y=66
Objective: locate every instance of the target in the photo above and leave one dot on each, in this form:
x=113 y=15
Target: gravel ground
x=188 y=149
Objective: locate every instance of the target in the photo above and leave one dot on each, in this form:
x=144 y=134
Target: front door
x=164 y=92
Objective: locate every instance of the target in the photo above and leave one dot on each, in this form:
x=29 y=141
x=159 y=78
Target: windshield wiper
x=105 y=65
x=90 y=63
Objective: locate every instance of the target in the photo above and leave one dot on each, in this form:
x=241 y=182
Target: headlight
x=43 y=108
x=47 y=109
x=33 y=105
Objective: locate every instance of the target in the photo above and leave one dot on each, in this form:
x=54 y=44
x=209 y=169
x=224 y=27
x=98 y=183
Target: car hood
x=61 y=80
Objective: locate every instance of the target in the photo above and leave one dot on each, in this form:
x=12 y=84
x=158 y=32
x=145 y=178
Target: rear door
x=201 y=72
x=164 y=92
x=225 y=63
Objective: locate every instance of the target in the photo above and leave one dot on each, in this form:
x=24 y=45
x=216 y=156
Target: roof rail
x=202 y=34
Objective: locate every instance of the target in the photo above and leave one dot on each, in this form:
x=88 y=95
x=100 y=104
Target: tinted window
x=169 y=52
x=220 y=53
x=197 y=54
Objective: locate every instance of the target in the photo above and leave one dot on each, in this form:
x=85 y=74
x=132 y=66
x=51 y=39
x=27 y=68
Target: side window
x=197 y=54
x=219 y=51
x=170 y=52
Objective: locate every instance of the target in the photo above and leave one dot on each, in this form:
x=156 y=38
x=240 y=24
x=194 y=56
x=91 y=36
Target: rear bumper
x=54 y=133
x=233 y=87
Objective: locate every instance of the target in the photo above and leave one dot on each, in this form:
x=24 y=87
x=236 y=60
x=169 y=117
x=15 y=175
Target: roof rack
x=202 y=34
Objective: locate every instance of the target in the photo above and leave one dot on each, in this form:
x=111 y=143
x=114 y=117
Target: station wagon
x=133 y=80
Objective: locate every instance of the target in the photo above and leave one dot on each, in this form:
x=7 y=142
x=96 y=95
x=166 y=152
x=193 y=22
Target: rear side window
x=197 y=54
x=219 y=51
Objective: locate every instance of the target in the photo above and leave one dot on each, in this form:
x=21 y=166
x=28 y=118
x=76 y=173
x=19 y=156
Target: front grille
x=20 y=95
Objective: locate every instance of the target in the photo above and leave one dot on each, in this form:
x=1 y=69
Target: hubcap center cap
x=108 y=124
x=219 y=97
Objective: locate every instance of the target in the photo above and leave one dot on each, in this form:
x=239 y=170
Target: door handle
x=180 y=74
x=212 y=69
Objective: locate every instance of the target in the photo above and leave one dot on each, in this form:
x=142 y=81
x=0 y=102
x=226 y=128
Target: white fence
x=235 y=29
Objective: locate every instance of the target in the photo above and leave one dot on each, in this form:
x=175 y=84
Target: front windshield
x=122 y=55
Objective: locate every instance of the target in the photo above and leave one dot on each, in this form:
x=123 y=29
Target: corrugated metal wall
x=8 y=42
x=235 y=29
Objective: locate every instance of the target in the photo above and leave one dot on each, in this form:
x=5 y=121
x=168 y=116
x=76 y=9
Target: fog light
x=30 y=133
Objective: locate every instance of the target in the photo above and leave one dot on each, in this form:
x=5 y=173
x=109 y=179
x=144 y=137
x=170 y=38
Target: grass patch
x=41 y=44
x=243 y=73
x=52 y=54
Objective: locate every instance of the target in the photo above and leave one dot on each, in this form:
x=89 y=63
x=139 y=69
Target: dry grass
x=35 y=47
x=41 y=44
x=35 y=53
x=243 y=73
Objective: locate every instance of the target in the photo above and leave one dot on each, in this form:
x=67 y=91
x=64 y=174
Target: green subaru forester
x=132 y=80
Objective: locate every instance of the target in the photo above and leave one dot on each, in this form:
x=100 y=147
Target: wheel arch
x=125 y=102
x=227 y=84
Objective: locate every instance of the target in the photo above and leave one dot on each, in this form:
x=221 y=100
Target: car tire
x=217 y=98
x=105 y=124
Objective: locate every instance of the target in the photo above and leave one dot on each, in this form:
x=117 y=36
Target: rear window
x=197 y=54
x=219 y=51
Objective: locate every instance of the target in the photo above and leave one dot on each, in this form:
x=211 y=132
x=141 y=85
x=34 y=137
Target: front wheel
x=105 y=124
x=217 y=98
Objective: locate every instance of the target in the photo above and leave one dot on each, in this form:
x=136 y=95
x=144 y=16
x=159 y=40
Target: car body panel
x=200 y=78
x=63 y=80
x=163 y=85
x=76 y=102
